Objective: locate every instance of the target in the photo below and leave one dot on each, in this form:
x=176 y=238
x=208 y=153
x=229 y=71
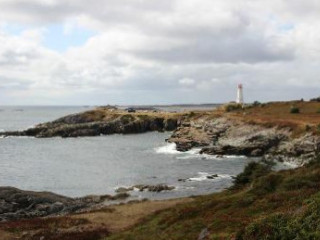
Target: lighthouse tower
x=240 y=94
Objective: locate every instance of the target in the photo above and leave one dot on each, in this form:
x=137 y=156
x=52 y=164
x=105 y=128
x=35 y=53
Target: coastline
x=257 y=131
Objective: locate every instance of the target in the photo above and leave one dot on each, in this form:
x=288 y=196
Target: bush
x=256 y=103
x=318 y=111
x=295 y=183
x=232 y=107
x=267 y=184
x=315 y=99
x=294 y=110
x=192 y=114
x=252 y=171
x=301 y=225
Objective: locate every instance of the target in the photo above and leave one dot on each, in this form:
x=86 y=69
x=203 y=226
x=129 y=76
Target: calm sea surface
x=97 y=165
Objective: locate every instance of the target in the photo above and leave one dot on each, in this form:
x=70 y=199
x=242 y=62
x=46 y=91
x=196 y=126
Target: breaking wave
x=170 y=148
x=203 y=176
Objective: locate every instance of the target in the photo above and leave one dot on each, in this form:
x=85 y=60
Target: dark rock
x=123 y=189
x=184 y=146
x=154 y=188
x=213 y=176
x=120 y=196
x=170 y=124
x=182 y=179
x=16 y=204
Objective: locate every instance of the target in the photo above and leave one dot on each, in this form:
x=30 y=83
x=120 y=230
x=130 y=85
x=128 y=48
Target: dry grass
x=123 y=216
x=278 y=114
x=86 y=226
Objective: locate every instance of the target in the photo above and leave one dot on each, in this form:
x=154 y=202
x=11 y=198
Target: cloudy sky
x=80 y=52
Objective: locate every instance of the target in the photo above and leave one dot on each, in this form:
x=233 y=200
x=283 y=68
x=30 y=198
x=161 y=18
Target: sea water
x=98 y=165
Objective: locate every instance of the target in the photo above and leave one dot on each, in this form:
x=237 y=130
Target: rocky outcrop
x=17 y=204
x=84 y=124
x=225 y=136
x=144 y=187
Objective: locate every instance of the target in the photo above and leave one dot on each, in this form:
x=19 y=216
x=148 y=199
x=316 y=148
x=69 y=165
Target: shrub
x=267 y=184
x=256 y=103
x=294 y=110
x=318 y=111
x=315 y=99
x=232 y=107
x=299 y=182
x=301 y=225
x=308 y=127
x=252 y=171
x=192 y=114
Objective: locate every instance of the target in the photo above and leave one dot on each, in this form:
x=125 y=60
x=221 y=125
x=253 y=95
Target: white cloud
x=187 y=82
x=149 y=51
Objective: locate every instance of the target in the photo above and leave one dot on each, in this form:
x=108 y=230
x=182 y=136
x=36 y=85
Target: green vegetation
x=308 y=128
x=252 y=171
x=256 y=103
x=294 y=110
x=192 y=114
x=144 y=117
x=232 y=107
x=125 y=119
x=263 y=205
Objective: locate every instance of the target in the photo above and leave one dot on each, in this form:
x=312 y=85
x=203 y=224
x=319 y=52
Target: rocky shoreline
x=223 y=136
x=102 y=121
x=19 y=204
x=216 y=133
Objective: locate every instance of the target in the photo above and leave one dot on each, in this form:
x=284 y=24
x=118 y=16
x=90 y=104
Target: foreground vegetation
x=261 y=205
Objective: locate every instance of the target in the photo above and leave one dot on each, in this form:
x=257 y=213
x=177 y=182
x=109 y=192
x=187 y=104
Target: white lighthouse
x=240 y=94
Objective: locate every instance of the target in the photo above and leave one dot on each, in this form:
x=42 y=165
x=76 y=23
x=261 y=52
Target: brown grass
x=278 y=114
x=85 y=226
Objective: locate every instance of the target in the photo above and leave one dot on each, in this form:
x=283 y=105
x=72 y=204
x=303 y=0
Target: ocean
x=98 y=165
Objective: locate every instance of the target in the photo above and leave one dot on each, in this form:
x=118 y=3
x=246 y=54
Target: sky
x=98 y=52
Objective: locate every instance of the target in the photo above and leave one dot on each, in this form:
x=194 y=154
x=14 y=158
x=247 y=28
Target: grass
x=92 y=225
x=277 y=114
x=264 y=205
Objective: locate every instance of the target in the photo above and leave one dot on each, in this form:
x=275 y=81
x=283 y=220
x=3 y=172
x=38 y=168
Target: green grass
x=262 y=205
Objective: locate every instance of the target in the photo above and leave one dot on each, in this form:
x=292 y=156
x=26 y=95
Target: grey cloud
x=112 y=10
x=216 y=52
x=14 y=58
x=222 y=49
